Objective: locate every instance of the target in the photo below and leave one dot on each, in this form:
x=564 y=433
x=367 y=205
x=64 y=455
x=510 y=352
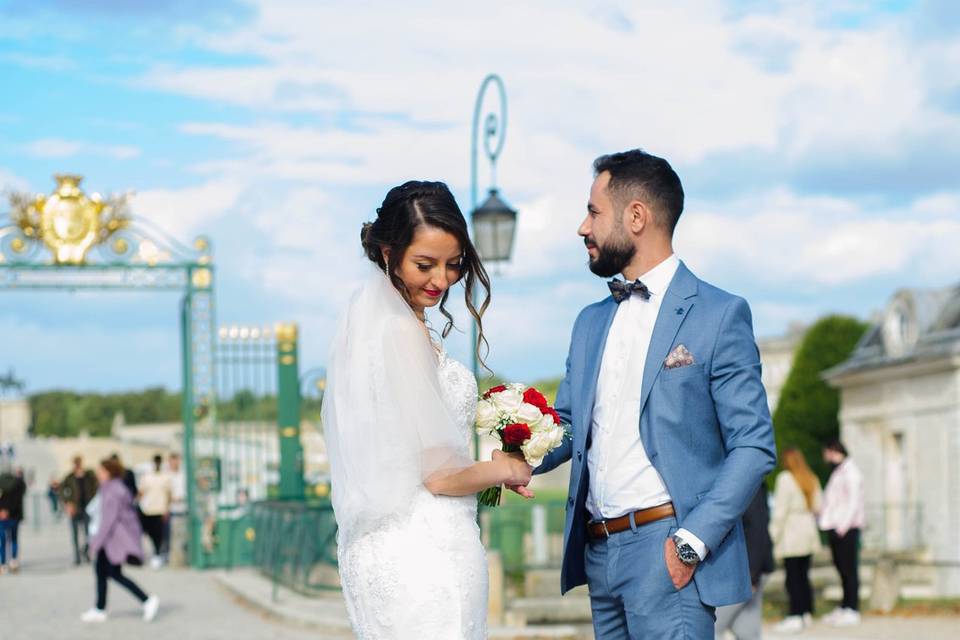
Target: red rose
x=550 y=411
x=493 y=390
x=534 y=397
x=516 y=434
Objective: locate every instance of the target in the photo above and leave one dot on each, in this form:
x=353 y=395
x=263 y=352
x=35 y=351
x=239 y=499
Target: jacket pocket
x=681 y=372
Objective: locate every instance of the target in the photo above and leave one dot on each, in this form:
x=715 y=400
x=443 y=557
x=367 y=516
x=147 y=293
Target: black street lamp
x=494 y=222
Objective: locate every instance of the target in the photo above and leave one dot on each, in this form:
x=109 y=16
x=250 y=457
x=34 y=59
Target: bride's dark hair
x=409 y=206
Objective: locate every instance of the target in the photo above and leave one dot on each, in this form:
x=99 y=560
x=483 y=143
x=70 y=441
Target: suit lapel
x=596 y=342
x=677 y=302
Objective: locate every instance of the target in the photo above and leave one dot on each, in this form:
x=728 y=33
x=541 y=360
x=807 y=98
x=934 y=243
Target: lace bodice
x=424 y=576
x=460 y=393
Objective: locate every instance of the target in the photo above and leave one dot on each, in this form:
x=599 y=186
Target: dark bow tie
x=621 y=290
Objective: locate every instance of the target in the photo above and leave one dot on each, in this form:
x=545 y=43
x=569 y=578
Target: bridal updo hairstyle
x=404 y=209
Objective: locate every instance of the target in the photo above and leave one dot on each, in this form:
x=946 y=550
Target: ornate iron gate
x=239 y=458
x=238 y=386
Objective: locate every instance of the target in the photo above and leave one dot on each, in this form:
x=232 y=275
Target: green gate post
x=187 y=412
x=288 y=414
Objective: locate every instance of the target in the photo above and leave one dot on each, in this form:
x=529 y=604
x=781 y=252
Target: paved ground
x=45 y=599
x=884 y=628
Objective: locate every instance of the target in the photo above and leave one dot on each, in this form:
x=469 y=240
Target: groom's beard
x=612 y=257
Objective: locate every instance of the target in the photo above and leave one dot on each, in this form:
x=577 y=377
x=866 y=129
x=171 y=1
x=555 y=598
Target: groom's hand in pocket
x=680 y=573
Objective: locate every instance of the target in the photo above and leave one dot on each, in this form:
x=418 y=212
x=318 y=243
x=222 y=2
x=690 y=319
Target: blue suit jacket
x=705 y=427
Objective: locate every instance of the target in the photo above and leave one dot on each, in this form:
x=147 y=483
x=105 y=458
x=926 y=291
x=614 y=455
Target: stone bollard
x=885 y=590
x=538 y=515
x=496 y=590
x=177 y=554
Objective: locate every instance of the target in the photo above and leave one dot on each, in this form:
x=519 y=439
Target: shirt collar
x=658 y=279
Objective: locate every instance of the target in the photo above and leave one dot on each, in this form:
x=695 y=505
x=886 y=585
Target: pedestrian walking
x=129 y=477
x=796 y=500
x=745 y=620
x=116 y=541
x=842 y=518
x=76 y=492
x=53 y=495
x=175 y=533
x=156 y=488
x=13 y=488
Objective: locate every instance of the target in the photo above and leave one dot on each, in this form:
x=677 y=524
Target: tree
x=806 y=415
x=67 y=414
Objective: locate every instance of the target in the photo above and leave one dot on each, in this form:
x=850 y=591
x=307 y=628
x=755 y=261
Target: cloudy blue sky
x=818 y=142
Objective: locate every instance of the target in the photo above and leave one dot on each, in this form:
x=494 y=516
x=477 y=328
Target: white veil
x=386 y=425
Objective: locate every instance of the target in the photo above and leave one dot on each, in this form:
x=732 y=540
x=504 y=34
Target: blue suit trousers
x=631 y=593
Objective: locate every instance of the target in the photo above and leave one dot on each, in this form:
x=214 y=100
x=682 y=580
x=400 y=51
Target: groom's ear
x=638 y=216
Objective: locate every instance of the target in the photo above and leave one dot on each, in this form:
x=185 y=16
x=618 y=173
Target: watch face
x=685 y=552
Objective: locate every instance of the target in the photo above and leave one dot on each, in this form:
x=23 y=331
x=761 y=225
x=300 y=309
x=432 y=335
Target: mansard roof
x=917 y=324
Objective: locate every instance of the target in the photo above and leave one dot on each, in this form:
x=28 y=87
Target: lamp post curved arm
x=494 y=132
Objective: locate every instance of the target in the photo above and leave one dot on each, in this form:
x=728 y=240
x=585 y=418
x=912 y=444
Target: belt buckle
x=606 y=531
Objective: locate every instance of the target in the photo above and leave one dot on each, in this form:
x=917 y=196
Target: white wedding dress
x=424 y=576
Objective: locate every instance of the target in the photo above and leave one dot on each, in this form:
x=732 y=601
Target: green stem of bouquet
x=490 y=497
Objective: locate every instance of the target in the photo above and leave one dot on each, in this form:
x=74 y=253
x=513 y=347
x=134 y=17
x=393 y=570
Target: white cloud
x=581 y=75
x=546 y=241
x=11 y=181
x=785 y=238
x=60 y=148
x=189 y=210
x=53 y=148
x=44 y=62
x=339 y=103
x=944 y=204
x=121 y=152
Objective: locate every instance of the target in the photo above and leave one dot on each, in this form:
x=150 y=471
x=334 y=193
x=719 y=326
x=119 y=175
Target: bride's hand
x=517 y=473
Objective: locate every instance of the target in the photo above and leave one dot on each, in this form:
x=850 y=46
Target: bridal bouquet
x=521 y=419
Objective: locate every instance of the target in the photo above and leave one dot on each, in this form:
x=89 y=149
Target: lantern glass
x=494 y=226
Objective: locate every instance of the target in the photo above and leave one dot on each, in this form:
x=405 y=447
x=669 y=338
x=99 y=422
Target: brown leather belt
x=606 y=528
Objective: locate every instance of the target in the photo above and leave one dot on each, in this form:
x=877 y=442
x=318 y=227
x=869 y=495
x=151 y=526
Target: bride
x=398 y=415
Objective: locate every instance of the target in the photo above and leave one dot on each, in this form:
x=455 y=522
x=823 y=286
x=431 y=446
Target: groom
x=671 y=431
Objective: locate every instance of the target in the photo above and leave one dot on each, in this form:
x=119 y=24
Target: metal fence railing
x=528 y=534
x=295 y=545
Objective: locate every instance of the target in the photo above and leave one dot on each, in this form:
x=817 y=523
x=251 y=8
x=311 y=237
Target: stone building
x=900 y=419
x=776 y=358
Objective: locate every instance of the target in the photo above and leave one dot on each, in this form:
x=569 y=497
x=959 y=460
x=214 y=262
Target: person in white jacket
x=841 y=518
x=793 y=529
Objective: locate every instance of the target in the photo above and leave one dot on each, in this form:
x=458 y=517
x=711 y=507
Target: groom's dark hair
x=636 y=174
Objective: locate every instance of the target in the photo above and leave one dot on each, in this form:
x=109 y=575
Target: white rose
x=558 y=434
x=488 y=418
x=539 y=445
x=529 y=415
x=507 y=401
x=545 y=424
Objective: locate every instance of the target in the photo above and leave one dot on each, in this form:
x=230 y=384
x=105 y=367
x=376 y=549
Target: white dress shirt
x=622 y=479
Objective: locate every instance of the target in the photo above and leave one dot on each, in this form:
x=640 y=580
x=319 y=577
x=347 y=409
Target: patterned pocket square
x=679 y=357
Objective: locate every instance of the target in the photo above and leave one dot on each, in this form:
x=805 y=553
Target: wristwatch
x=685 y=552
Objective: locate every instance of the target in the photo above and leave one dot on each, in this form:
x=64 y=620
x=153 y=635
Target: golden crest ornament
x=69 y=222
